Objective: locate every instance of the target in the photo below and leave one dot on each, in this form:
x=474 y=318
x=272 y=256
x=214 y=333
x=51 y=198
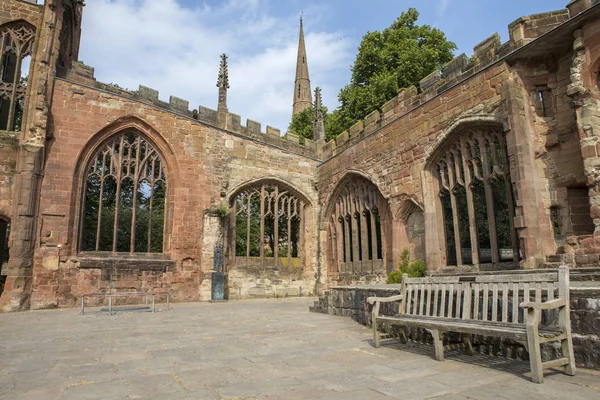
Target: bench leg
x=567 y=351
x=402 y=334
x=533 y=346
x=468 y=344
x=438 y=343
x=376 y=334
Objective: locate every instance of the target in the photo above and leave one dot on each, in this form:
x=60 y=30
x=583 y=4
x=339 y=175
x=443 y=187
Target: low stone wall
x=351 y=301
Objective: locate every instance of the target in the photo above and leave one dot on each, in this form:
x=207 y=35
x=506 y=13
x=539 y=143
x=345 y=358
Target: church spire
x=302 y=92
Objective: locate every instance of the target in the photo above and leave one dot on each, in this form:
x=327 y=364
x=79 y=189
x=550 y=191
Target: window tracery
x=476 y=200
x=16 y=43
x=356 y=239
x=269 y=226
x=124 y=197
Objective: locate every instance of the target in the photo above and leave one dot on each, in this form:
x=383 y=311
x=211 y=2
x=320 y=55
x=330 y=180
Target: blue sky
x=174 y=45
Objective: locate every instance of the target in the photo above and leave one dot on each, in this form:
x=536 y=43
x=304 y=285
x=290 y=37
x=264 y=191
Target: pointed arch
x=16 y=43
x=358 y=223
x=147 y=169
x=269 y=225
x=465 y=122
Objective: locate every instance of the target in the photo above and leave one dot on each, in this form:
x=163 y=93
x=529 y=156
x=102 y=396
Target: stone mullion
x=248 y=220
x=373 y=228
x=151 y=200
x=346 y=235
x=118 y=176
x=339 y=238
x=364 y=238
x=489 y=201
x=452 y=184
x=440 y=212
x=13 y=99
x=234 y=214
x=276 y=226
x=262 y=225
x=470 y=204
x=356 y=267
x=301 y=244
x=289 y=230
x=511 y=204
x=136 y=177
x=99 y=200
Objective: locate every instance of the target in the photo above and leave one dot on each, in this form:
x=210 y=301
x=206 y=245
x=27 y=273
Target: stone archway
x=359 y=234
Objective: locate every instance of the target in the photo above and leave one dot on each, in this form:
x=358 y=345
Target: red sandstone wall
x=11 y=10
x=8 y=160
x=205 y=165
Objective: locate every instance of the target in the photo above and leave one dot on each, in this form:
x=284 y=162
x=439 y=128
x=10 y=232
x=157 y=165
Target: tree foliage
x=302 y=124
x=397 y=57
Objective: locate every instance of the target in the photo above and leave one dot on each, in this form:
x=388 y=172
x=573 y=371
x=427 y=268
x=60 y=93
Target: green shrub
x=414 y=269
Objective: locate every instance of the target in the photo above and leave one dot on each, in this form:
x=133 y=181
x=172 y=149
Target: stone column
x=531 y=221
x=587 y=109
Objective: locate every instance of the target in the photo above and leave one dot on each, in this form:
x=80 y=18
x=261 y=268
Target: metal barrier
x=124 y=294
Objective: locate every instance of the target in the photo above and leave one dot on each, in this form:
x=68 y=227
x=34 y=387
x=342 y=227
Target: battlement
x=486 y=53
x=84 y=74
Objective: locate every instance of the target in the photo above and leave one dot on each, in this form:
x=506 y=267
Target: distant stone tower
x=302 y=92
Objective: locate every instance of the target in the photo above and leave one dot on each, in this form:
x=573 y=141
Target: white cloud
x=160 y=44
x=442 y=6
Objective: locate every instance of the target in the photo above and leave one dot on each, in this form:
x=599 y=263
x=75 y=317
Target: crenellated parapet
x=84 y=75
x=488 y=52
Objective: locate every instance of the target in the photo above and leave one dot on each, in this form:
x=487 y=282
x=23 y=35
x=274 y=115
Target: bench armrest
x=548 y=305
x=372 y=300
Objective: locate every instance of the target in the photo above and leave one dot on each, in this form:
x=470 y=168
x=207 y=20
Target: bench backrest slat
x=481 y=297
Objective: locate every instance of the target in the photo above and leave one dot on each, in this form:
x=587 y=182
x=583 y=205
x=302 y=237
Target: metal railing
x=124 y=294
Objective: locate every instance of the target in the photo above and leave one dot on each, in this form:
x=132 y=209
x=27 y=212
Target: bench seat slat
x=489 y=328
x=541 y=277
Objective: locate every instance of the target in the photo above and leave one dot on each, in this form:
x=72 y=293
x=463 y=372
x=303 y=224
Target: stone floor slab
x=256 y=349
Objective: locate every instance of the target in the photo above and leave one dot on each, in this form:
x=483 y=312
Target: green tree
x=397 y=57
x=302 y=124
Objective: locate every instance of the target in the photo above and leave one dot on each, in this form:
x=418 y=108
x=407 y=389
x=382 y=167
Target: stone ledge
x=153 y=262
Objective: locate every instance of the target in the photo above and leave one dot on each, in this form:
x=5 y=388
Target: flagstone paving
x=257 y=349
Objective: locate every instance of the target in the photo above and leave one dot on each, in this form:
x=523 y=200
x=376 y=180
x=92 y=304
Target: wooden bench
x=505 y=305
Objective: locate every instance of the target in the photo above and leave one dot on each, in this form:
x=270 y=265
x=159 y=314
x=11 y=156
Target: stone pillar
x=531 y=221
x=17 y=290
x=587 y=110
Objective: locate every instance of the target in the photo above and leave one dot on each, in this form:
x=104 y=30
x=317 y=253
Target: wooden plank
x=450 y=300
x=505 y=302
x=409 y=290
x=495 y=302
x=466 y=313
x=443 y=302
x=526 y=298
x=459 y=290
x=555 y=363
x=484 y=307
x=538 y=292
x=415 y=300
x=433 y=279
x=550 y=290
x=428 y=289
x=508 y=278
x=515 y=304
x=476 y=301
x=421 y=298
x=436 y=299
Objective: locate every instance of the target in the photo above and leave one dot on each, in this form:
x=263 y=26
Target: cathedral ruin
x=493 y=164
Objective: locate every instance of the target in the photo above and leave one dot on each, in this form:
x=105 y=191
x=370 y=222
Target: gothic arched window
x=269 y=226
x=124 y=197
x=16 y=43
x=357 y=234
x=476 y=201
